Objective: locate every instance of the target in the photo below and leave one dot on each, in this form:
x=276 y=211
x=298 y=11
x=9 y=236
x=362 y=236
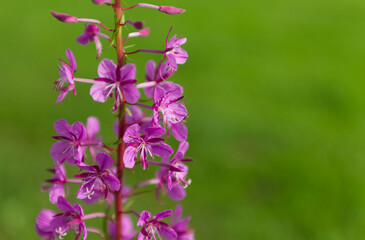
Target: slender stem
x=146 y=84
x=121 y=147
x=84 y=80
x=94 y=230
x=94 y=215
x=73 y=180
x=146 y=51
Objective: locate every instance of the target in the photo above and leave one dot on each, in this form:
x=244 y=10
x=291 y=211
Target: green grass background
x=276 y=97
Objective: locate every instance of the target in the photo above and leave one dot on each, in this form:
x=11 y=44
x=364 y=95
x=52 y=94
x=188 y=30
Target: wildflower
x=68 y=148
x=67 y=76
x=57 y=183
x=174 y=53
x=122 y=87
x=154 y=227
x=180 y=225
x=146 y=144
x=166 y=98
x=92 y=34
x=157 y=75
x=97 y=177
x=42 y=226
x=71 y=218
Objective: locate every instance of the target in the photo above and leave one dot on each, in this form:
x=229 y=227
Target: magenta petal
x=180 y=55
x=98 y=92
x=183 y=147
x=83 y=39
x=162 y=150
x=71 y=59
x=177 y=192
x=177 y=214
x=172 y=61
x=163 y=214
x=127 y=72
x=78 y=130
x=44 y=218
x=150 y=70
x=58 y=151
x=179 y=131
x=92 y=126
x=140 y=236
x=113 y=182
x=143 y=218
x=55 y=191
x=154 y=132
x=132 y=133
x=104 y=161
x=62 y=95
x=62 y=127
x=166 y=232
x=181 y=225
x=64 y=205
x=131 y=93
x=129 y=158
x=107 y=69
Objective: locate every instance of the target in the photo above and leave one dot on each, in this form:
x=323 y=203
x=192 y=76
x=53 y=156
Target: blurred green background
x=275 y=94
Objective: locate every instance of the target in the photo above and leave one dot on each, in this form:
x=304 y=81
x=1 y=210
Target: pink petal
x=179 y=131
x=162 y=150
x=83 y=39
x=107 y=69
x=177 y=192
x=127 y=72
x=129 y=158
x=92 y=126
x=104 y=161
x=131 y=93
x=132 y=133
x=98 y=92
x=62 y=127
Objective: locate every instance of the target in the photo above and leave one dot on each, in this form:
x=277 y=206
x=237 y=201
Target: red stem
x=121 y=147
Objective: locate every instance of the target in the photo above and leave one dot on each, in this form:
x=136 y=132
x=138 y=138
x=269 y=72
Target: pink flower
x=58 y=182
x=151 y=228
x=92 y=34
x=174 y=53
x=109 y=85
x=67 y=76
x=149 y=143
x=71 y=218
x=68 y=148
x=97 y=178
x=157 y=75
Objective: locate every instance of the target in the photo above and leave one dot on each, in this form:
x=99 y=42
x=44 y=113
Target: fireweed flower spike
x=143 y=127
x=97 y=177
x=68 y=148
x=122 y=88
x=92 y=34
x=152 y=228
x=149 y=143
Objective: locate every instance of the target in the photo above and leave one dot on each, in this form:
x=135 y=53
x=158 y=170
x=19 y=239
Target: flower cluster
x=143 y=129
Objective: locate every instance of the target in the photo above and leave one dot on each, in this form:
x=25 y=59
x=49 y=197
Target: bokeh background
x=276 y=97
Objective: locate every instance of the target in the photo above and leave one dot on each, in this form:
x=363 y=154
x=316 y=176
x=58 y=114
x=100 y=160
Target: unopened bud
x=99 y=2
x=64 y=17
x=171 y=10
x=144 y=32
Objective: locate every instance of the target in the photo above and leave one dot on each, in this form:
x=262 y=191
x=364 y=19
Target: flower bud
x=99 y=2
x=171 y=10
x=64 y=17
x=144 y=32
